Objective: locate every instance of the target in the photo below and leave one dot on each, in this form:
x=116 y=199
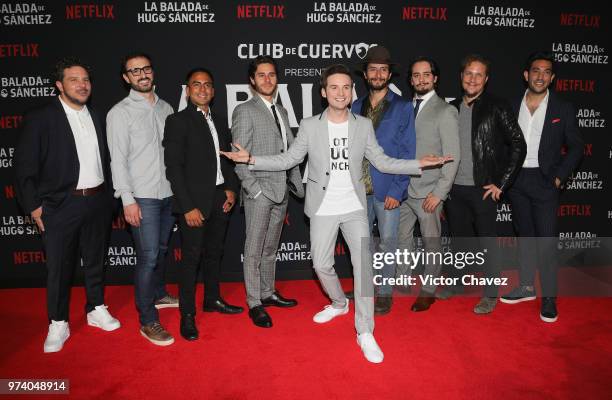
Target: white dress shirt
x=280 y=120
x=215 y=137
x=532 y=125
x=425 y=98
x=86 y=140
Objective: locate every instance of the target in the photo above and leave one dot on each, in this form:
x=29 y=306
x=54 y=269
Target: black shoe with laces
x=548 y=312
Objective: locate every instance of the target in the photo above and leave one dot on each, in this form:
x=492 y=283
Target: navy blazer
x=560 y=128
x=46 y=161
x=397 y=136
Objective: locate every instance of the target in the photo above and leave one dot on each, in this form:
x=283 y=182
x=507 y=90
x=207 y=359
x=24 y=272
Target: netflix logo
x=424 y=13
x=260 y=11
x=575 y=85
x=588 y=150
x=28 y=257
x=14 y=50
x=583 y=20
x=11 y=121
x=90 y=11
x=574 y=210
x=9 y=192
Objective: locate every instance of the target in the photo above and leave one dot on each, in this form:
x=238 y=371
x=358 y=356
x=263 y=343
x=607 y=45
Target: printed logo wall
x=305 y=37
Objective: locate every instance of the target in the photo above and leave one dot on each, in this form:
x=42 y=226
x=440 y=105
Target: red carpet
x=445 y=353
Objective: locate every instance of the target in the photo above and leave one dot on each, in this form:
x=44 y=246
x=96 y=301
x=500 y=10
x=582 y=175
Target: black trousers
x=535 y=201
x=78 y=228
x=470 y=216
x=202 y=247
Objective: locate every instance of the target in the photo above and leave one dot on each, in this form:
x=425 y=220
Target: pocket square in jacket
x=554 y=121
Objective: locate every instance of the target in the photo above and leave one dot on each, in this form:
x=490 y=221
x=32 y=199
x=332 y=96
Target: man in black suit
x=63 y=182
x=204 y=187
x=548 y=124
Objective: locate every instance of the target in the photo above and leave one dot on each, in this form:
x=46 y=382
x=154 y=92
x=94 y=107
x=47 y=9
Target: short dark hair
x=136 y=54
x=69 y=62
x=470 y=58
x=195 y=71
x=432 y=64
x=332 y=70
x=540 y=55
x=261 y=60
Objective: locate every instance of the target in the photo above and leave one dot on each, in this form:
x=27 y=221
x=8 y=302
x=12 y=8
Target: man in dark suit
x=204 y=187
x=63 y=182
x=548 y=124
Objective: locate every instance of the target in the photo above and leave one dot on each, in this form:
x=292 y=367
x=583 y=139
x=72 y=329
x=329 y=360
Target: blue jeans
x=151 y=242
x=388 y=228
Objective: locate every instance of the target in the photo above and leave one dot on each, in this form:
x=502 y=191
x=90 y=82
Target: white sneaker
x=370 y=348
x=328 y=313
x=101 y=318
x=58 y=334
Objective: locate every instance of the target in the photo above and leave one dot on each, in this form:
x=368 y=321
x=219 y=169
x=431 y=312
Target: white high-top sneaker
x=370 y=348
x=328 y=313
x=101 y=318
x=58 y=334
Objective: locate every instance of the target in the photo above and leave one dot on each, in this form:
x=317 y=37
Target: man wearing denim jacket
x=393 y=120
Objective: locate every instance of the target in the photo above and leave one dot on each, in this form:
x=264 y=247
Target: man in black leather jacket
x=492 y=152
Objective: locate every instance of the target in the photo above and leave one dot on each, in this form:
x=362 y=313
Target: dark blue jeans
x=151 y=242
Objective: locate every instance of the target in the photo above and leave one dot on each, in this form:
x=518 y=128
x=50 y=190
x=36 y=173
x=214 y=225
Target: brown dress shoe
x=382 y=305
x=423 y=302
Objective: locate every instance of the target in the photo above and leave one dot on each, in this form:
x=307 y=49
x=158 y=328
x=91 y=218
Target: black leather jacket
x=498 y=145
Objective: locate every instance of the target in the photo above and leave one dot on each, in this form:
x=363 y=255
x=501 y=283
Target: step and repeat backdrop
x=305 y=37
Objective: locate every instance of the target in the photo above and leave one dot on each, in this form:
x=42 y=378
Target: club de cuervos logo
x=304 y=50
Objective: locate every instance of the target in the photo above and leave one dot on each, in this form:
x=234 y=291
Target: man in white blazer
x=336 y=142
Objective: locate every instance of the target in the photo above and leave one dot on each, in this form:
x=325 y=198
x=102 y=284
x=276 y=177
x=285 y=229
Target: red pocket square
x=554 y=121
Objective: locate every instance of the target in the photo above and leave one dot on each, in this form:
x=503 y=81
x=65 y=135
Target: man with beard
x=393 y=122
x=135 y=132
x=437 y=133
x=548 y=123
x=261 y=125
x=64 y=183
x=492 y=150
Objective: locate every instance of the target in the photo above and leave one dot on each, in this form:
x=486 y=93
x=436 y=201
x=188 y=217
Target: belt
x=88 y=191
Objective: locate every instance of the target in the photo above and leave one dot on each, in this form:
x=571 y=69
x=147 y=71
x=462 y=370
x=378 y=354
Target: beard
x=377 y=85
x=423 y=91
x=76 y=100
x=140 y=89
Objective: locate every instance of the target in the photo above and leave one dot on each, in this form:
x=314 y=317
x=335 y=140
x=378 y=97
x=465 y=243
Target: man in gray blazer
x=336 y=142
x=437 y=132
x=262 y=127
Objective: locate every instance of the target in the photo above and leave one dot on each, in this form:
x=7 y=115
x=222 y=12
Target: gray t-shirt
x=465 y=173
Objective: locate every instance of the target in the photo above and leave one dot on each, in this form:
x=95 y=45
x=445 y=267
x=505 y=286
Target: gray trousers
x=355 y=230
x=411 y=211
x=264 y=224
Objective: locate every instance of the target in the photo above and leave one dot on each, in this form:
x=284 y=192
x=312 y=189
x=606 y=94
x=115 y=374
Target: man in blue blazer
x=393 y=121
x=548 y=124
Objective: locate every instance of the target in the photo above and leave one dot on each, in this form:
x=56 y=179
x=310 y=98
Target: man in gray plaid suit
x=262 y=127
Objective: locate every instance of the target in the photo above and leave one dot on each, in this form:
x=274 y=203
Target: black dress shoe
x=188 y=327
x=222 y=307
x=260 y=317
x=278 y=301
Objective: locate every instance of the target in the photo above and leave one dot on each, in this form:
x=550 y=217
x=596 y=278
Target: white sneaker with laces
x=370 y=348
x=101 y=318
x=58 y=334
x=328 y=313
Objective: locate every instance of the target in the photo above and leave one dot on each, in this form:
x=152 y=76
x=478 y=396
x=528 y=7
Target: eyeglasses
x=147 y=69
